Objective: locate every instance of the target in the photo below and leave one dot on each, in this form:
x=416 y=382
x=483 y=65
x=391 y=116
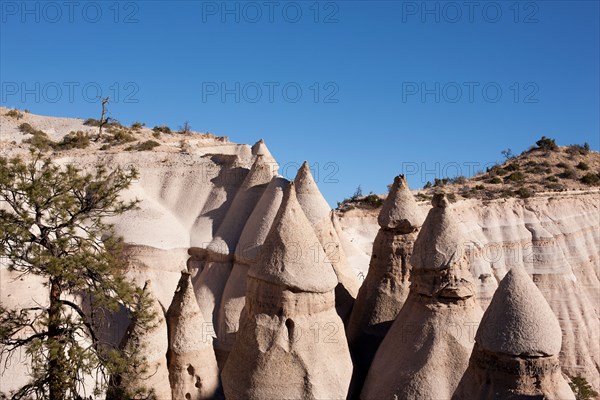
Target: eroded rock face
x=386 y=286
x=291 y=343
x=517 y=346
x=554 y=237
x=320 y=216
x=426 y=351
x=193 y=370
x=247 y=253
x=209 y=284
x=153 y=344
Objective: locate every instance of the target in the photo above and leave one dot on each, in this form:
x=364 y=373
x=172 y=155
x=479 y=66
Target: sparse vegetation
x=144 y=146
x=581 y=388
x=185 y=129
x=591 y=179
x=523 y=192
x=507 y=154
x=577 y=149
x=137 y=126
x=14 y=113
x=373 y=200
x=162 y=129
x=515 y=177
x=119 y=136
x=568 y=173
x=26 y=129
x=73 y=140
x=546 y=144
x=582 y=166
x=40 y=141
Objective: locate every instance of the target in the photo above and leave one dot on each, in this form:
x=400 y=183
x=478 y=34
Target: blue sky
x=362 y=90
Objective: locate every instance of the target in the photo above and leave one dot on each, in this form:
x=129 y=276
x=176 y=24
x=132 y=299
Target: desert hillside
x=202 y=197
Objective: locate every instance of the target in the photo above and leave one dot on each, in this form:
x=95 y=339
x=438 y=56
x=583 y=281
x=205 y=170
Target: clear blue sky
x=386 y=87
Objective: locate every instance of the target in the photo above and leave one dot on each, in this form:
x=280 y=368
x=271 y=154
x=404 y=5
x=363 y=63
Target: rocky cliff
x=554 y=237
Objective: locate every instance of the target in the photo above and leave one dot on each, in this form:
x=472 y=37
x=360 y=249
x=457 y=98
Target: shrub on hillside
x=73 y=140
x=14 y=113
x=40 y=141
x=515 y=177
x=162 y=129
x=568 y=174
x=591 y=179
x=136 y=126
x=144 y=146
x=373 y=200
x=546 y=144
x=523 y=192
x=27 y=129
x=583 y=166
x=119 y=136
x=577 y=149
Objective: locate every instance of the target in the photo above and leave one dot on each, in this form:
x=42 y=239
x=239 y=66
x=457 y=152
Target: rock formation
x=517 y=344
x=291 y=343
x=152 y=344
x=246 y=254
x=555 y=237
x=426 y=351
x=210 y=282
x=386 y=286
x=260 y=149
x=193 y=370
x=320 y=216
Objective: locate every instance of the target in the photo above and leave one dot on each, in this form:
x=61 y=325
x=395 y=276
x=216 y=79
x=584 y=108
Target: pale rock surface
x=386 y=286
x=290 y=291
x=248 y=252
x=426 y=351
x=320 y=216
x=210 y=280
x=554 y=237
x=193 y=370
x=153 y=344
x=517 y=345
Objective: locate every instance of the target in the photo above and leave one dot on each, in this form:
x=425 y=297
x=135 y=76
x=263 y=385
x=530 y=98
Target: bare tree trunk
x=56 y=348
x=103 y=118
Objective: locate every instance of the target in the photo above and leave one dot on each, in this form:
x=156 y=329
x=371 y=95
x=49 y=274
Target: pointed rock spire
x=517 y=344
x=519 y=320
x=292 y=255
x=319 y=214
x=193 y=370
x=420 y=358
x=290 y=290
x=210 y=283
x=400 y=210
x=247 y=253
x=386 y=286
x=309 y=196
x=260 y=149
x=441 y=247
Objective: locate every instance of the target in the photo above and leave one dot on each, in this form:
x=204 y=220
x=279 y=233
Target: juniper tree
x=52 y=225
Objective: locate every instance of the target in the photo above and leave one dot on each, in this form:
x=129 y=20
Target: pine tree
x=52 y=225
